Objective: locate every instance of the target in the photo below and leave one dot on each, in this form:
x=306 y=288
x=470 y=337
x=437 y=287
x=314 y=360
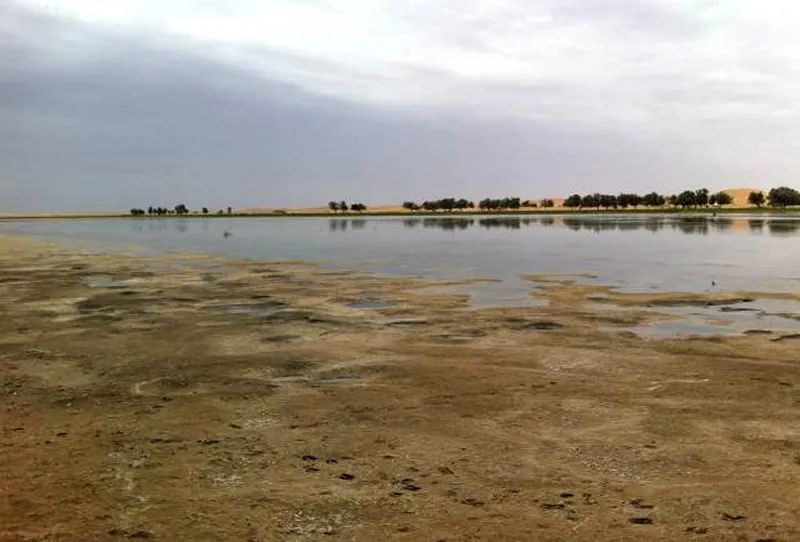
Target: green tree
x=573 y=201
x=687 y=198
x=783 y=196
x=756 y=198
x=607 y=201
x=701 y=197
x=653 y=199
x=720 y=198
x=590 y=200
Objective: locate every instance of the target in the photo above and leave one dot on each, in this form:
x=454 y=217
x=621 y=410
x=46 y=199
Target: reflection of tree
x=756 y=225
x=783 y=227
x=653 y=224
x=723 y=223
x=448 y=223
x=627 y=225
x=689 y=225
x=510 y=223
x=692 y=225
x=337 y=224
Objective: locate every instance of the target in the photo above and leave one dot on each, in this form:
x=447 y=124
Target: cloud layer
x=119 y=103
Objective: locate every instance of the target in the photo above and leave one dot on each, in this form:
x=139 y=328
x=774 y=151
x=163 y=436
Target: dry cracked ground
x=192 y=398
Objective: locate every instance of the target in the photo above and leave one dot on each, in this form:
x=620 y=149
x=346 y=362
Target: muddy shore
x=194 y=398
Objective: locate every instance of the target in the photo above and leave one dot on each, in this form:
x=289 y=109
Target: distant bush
x=489 y=204
x=756 y=198
x=720 y=198
x=783 y=196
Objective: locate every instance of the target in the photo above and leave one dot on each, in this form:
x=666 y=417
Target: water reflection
x=690 y=225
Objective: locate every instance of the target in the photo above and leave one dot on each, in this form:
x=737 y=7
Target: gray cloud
x=96 y=116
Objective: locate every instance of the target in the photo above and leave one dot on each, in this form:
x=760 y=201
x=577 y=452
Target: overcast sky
x=108 y=104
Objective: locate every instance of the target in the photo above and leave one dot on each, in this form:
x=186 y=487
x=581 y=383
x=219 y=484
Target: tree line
x=777 y=197
x=336 y=206
x=179 y=210
x=702 y=197
x=487 y=204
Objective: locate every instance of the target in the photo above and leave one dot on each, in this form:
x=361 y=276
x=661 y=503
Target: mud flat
x=173 y=398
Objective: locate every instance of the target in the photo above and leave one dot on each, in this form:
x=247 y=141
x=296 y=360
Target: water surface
x=633 y=253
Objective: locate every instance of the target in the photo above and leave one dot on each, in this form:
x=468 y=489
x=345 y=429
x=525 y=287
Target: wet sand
x=192 y=398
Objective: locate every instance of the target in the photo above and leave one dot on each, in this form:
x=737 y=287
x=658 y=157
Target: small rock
x=346 y=476
x=566 y=495
x=309 y=457
x=641 y=521
x=730 y=517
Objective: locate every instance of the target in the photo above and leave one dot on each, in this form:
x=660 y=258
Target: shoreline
x=168 y=398
x=367 y=214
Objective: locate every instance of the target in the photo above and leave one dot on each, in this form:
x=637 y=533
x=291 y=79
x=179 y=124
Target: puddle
x=372 y=304
x=106 y=282
x=494 y=294
x=756 y=316
x=250 y=309
x=338 y=379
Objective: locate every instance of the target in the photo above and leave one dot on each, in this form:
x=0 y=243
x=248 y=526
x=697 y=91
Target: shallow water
x=650 y=253
x=372 y=304
x=759 y=315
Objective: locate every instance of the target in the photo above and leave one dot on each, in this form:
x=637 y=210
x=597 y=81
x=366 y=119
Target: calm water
x=630 y=252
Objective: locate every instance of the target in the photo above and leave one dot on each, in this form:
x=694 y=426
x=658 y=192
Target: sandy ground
x=187 y=398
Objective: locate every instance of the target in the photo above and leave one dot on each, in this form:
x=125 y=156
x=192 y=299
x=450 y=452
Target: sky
x=111 y=104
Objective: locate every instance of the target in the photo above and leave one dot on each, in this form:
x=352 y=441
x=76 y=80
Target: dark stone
x=730 y=517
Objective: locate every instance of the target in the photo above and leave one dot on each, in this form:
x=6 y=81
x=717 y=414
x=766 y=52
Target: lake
x=632 y=252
